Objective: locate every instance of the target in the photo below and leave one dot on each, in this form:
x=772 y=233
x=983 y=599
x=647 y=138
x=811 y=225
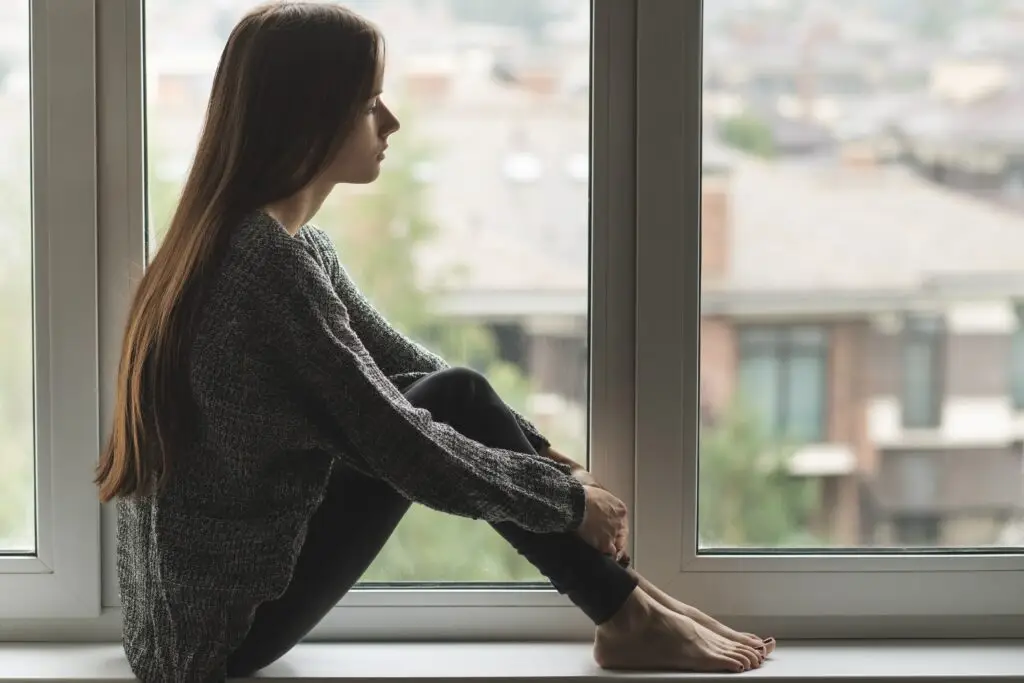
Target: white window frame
x=851 y=595
x=373 y=613
x=62 y=578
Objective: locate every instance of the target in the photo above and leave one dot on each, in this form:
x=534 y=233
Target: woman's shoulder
x=316 y=237
x=267 y=268
x=260 y=237
x=261 y=247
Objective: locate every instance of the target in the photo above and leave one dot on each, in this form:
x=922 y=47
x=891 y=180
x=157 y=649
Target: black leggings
x=359 y=514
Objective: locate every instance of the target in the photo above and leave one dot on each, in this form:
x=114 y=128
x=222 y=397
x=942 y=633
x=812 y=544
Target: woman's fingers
x=619 y=542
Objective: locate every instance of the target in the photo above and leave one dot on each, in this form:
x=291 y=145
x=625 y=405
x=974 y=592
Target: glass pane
x=477 y=228
x=920 y=385
x=846 y=147
x=759 y=388
x=760 y=339
x=804 y=398
x=17 y=437
x=810 y=339
x=1017 y=367
x=919 y=475
x=923 y=325
x=918 y=531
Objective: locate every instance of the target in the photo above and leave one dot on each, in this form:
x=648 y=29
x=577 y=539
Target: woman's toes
x=727 y=661
x=750 y=657
x=752 y=640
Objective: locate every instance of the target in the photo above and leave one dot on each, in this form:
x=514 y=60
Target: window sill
x=924 y=661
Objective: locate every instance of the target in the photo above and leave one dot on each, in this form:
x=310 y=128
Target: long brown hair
x=291 y=81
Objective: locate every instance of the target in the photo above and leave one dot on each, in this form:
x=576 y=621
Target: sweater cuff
x=579 y=504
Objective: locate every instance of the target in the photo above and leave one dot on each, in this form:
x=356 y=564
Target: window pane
x=918 y=531
x=807 y=338
x=17 y=438
x=919 y=394
x=781 y=380
x=477 y=229
x=1017 y=359
x=845 y=147
x=760 y=338
x=759 y=387
x=919 y=479
x=804 y=398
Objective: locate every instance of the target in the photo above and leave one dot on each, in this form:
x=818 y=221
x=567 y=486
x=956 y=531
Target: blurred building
x=874 y=317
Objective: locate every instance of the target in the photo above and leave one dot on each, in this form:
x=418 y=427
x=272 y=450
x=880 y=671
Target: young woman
x=272 y=429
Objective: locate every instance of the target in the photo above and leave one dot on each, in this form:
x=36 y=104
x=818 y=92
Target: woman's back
x=224 y=534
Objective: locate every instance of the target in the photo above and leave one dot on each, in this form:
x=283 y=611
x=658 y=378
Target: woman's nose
x=392 y=124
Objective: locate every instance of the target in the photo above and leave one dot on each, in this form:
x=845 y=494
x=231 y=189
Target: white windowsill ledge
x=934 y=661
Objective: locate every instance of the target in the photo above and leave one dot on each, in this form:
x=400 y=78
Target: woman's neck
x=295 y=211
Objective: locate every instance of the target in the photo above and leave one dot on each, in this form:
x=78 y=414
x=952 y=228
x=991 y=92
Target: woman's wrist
x=552 y=454
x=584 y=477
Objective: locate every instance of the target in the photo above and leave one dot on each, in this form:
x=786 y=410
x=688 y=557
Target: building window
x=923 y=363
x=919 y=480
x=1017 y=359
x=782 y=378
x=918 y=530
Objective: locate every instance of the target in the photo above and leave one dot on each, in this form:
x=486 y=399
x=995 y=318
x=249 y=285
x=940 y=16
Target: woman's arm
x=353 y=410
x=562 y=459
x=399 y=357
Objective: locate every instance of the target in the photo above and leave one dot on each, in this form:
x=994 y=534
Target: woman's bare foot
x=646 y=635
x=708 y=622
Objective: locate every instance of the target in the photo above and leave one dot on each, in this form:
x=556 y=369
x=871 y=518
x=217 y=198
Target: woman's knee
x=466 y=382
x=451 y=389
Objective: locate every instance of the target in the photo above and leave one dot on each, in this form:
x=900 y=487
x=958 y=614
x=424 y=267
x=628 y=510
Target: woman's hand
x=586 y=478
x=621 y=553
x=580 y=473
x=606 y=522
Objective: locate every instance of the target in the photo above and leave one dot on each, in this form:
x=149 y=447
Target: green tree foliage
x=747 y=497
x=749 y=134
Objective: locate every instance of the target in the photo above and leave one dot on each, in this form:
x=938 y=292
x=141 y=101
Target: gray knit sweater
x=292 y=371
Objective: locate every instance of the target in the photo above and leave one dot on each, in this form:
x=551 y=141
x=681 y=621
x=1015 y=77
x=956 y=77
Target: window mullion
x=613 y=336
x=668 y=134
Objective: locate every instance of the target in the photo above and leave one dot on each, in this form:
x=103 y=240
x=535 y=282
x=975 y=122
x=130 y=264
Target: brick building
x=872 y=317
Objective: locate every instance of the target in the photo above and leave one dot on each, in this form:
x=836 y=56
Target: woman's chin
x=365 y=179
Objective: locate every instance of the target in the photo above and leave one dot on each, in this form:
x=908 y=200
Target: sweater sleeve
x=398 y=356
x=363 y=417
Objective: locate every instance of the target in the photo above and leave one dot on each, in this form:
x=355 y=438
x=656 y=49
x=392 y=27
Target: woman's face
x=359 y=159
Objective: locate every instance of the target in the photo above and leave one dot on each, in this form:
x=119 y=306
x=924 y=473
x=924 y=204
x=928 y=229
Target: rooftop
x=811 y=228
